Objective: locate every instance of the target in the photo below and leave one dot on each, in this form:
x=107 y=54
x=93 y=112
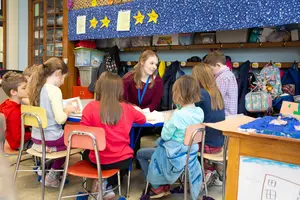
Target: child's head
x=28 y=72
x=186 y=91
x=204 y=75
x=147 y=65
x=109 y=90
x=216 y=60
x=14 y=85
x=53 y=71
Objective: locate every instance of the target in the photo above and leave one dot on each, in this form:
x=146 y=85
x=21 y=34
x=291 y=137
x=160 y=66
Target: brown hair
x=11 y=81
x=186 y=90
x=137 y=71
x=109 y=90
x=215 y=57
x=28 y=71
x=39 y=78
x=205 y=76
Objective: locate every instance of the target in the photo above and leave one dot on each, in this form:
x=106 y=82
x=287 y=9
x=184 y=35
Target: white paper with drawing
x=76 y=103
x=262 y=179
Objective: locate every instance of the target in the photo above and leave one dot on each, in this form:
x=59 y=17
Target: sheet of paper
x=36 y=9
x=123 y=23
x=81 y=25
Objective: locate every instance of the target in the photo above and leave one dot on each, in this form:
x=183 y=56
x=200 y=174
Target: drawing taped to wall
x=271 y=189
x=262 y=179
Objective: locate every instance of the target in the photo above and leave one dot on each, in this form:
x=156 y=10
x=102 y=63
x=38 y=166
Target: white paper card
x=80 y=25
x=123 y=21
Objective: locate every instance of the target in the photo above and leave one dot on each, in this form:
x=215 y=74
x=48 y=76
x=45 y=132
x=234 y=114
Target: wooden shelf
x=284 y=65
x=216 y=46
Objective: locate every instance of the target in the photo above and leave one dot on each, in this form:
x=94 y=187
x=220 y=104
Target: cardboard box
x=165 y=40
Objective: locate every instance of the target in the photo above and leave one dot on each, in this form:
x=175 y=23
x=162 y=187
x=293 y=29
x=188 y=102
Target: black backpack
x=169 y=79
x=110 y=63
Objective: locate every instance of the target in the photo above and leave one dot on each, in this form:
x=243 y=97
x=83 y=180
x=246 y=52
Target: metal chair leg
x=62 y=184
x=203 y=173
x=128 y=184
x=146 y=189
x=17 y=165
x=43 y=174
x=119 y=183
x=224 y=168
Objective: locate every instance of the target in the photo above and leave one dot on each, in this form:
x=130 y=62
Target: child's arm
x=139 y=117
x=25 y=101
x=169 y=128
x=86 y=113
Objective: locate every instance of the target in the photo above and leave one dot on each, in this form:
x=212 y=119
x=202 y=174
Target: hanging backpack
x=271 y=75
x=110 y=63
x=172 y=73
x=291 y=81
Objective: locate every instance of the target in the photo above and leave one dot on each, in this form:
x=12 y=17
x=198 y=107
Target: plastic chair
x=220 y=158
x=92 y=138
x=194 y=134
x=37 y=117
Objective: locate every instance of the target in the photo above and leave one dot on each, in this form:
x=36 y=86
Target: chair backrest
x=81 y=139
x=30 y=112
x=195 y=129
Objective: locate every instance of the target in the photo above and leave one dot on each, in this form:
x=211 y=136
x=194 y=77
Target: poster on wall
x=123 y=23
x=262 y=179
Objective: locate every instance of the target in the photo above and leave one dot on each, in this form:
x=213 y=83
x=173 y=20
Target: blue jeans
x=144 y=155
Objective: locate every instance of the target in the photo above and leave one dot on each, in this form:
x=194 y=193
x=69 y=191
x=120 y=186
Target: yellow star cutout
x=139 y=18
x=105 y=22
x=153 y=17
x=94 y=3
x=93 y=22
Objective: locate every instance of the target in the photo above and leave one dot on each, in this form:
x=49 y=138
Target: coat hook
x=284 y=43
x=260 y=44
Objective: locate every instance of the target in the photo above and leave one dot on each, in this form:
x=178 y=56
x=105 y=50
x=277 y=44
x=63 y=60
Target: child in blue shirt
x=185 y=95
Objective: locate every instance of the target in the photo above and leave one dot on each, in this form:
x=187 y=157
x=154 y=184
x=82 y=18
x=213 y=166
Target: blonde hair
x=137 y=71
x=28 y=71
x=109 y=90
x=186 y=90
x=11 y=81
x=39 y=78
x=215 y=57
x=205 y=76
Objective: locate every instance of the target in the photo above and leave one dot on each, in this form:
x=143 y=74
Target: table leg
x=130 y=166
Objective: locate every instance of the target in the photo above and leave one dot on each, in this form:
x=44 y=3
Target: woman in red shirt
x=144 y=87
x=116 y=118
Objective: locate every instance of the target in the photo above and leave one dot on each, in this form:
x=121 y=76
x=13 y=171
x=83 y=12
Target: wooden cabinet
x=48 y=37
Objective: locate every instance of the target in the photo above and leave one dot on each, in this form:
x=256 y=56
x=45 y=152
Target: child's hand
x=70 y=109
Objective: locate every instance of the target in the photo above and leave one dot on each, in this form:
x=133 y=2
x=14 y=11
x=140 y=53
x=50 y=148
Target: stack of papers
x=154 y=117
x=76 y=103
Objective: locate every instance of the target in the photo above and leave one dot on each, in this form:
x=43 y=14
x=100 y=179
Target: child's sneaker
x=52 y=179
x=110 y=194
x=167 y=190
x=157 y=193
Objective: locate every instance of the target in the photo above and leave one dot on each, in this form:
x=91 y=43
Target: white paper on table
x=81 y=24
x=155 y=117
x=123 y=23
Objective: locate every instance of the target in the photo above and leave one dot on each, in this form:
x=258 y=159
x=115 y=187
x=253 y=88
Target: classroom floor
x=29 y=188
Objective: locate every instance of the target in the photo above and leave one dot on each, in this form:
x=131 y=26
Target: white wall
x=12 y=34
x=23 y=34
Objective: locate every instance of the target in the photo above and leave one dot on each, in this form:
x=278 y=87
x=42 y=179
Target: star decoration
x=105 y=22
x=94 y=3
x=93 y=22
x=153 y=17
x=139 y=18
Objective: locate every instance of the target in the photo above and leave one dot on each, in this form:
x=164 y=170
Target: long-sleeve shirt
x=228 y=87
x=152 y=96
x=213 y=137
x=174 y=128
x=51 y=100
x=117 y=136
x=12 y=113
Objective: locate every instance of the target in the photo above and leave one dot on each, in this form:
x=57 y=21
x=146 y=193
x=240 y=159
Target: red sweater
x=152 y=96
x=12 y=112
x=117 y=136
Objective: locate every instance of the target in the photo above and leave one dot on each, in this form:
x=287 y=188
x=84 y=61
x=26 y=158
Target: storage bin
x=232 y=36
x=82 y=92
x=205 y=38
x=88 y=57
x=85 y=74
x=186 y=38
x=141 y=41
x=165 y=40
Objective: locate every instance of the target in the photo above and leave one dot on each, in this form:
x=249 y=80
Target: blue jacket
x=213 y=137
x=168 y=163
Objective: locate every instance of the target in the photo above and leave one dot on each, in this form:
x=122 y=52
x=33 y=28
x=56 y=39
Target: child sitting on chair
x=169 y=158
x=44 y=92
x=14 y=86
x=116 y=118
